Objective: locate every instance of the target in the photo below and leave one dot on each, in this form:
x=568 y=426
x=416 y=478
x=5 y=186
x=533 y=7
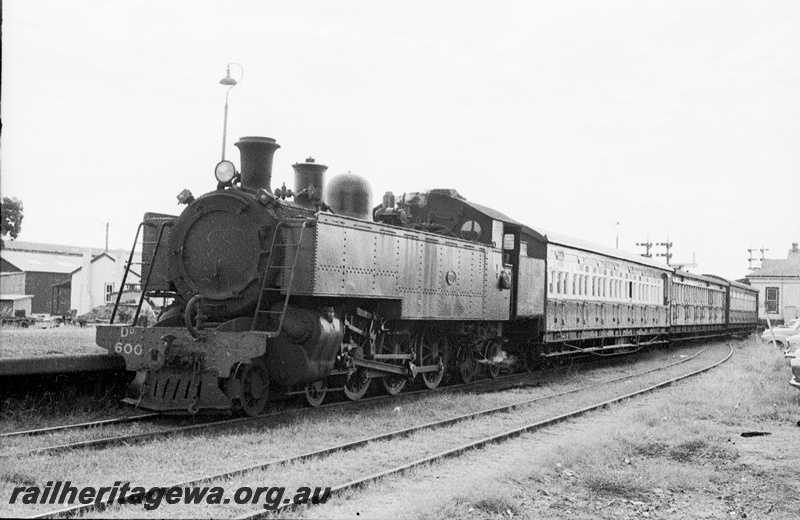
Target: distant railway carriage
x=308 y=296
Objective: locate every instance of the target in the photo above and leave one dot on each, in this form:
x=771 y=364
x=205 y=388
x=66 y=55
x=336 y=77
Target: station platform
x=60 y=364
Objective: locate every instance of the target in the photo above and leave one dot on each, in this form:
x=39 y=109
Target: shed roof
x=36 y=247
x=789 y=268
x=41 y=262
x=15 y=297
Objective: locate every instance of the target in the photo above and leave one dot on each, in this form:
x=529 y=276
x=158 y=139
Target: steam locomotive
x=312 y=290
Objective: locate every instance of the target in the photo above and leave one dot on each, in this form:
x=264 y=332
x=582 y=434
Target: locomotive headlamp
x=225 y=171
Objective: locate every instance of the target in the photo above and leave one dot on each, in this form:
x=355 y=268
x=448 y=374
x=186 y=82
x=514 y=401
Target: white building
x=99 y=278
x=778 y=284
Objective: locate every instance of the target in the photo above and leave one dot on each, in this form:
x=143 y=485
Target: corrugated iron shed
x=40 y=262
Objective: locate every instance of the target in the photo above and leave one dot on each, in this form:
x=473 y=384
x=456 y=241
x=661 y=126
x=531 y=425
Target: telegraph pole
x=752 y=259
x=646 y=245
x=667 y=245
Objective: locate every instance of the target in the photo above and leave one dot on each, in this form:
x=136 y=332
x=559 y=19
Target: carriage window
x=508 y=242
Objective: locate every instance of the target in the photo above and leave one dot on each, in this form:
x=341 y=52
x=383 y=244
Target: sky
x=678 y=120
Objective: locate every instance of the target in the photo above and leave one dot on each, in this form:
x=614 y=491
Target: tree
x=11 y=218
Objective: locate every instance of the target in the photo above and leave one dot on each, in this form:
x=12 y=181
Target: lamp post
x=230 y=83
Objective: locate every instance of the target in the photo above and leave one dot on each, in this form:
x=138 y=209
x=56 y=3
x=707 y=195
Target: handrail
x=125 y=276
x=150 y=271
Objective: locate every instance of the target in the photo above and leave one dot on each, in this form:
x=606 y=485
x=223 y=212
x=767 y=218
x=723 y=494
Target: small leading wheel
x=357 y=385
x=494 y=355
x=432 y=351
x=467 y=365
x=315 y=392
x=254 y=381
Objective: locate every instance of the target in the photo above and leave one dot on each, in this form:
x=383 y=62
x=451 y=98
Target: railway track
x=494 y=384
x=491 y=439
x=329 y=454
x=79 y=426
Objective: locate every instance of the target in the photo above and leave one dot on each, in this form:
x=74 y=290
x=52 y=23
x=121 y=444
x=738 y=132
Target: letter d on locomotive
x=127 y=341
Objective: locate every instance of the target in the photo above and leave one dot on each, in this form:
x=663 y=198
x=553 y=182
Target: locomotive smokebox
x=256 y=166
x=309 y=183
x=351 y=195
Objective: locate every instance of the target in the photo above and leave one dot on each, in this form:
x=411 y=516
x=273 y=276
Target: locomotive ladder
x=288 y=268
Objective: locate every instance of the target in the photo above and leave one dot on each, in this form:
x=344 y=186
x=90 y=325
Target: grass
x=48 y=400
x=42 y=401
x=34 y=342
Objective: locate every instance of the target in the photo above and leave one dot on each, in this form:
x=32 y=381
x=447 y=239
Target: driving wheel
x=466 y=364
x=357 y=385
x=432 y=351
x=395 y=344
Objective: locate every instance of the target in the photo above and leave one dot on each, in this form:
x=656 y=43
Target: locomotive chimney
x=308 y=182
x=256 y=166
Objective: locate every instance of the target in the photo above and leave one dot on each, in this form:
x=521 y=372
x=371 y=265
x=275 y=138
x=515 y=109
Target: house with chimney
x=778 y=284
